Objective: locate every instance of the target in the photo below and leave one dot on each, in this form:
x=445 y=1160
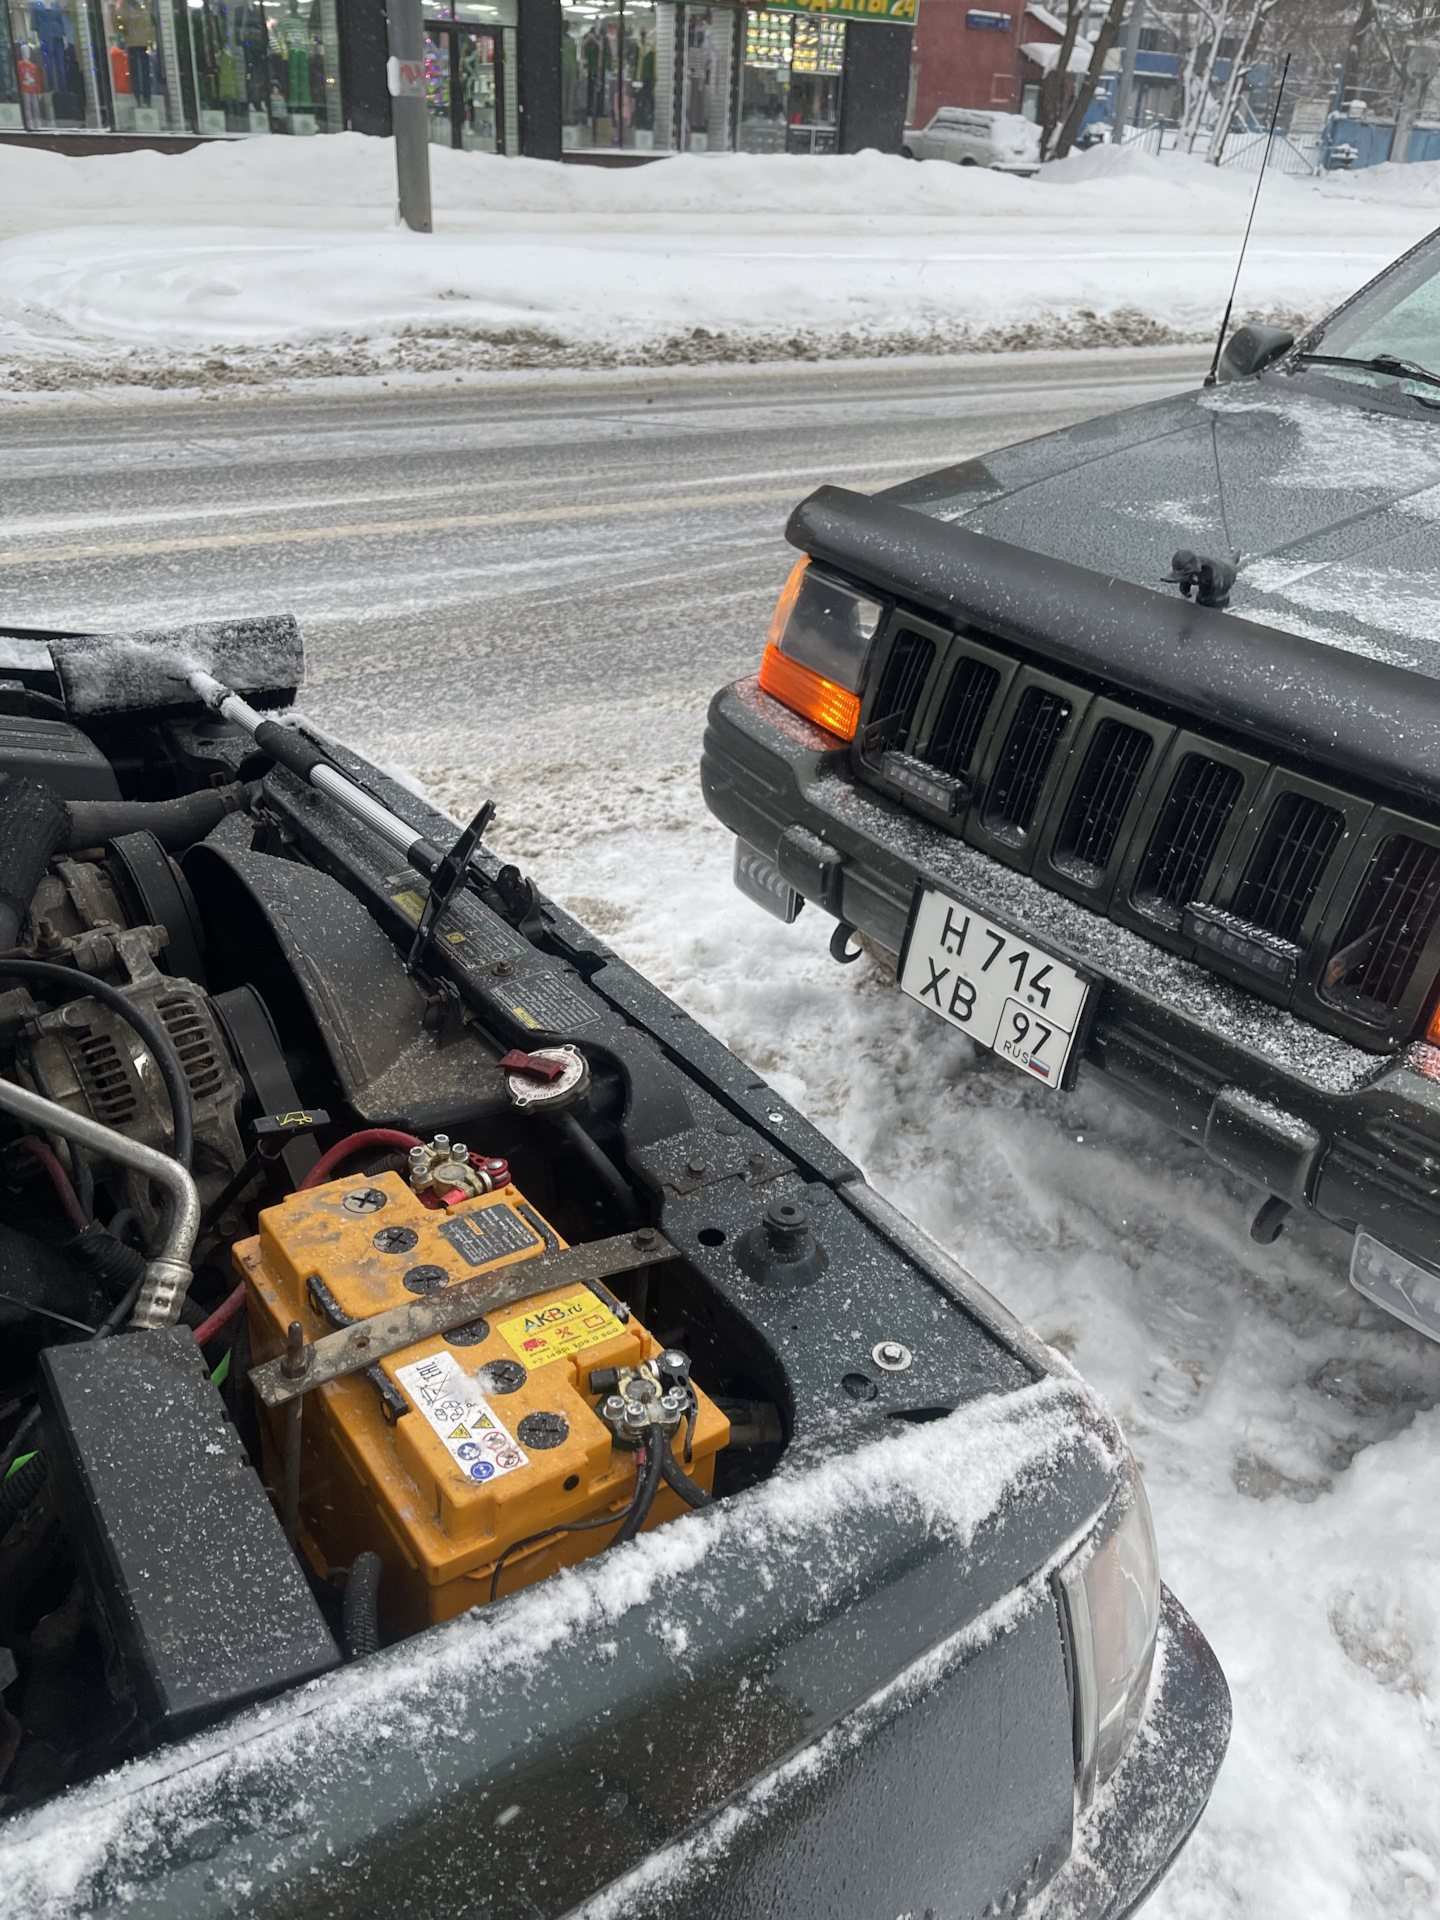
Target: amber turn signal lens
x=789 y=594
x=1432 y=1032
x=806 y=692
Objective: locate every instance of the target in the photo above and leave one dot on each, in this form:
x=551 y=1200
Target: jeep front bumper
x=1302 y=1114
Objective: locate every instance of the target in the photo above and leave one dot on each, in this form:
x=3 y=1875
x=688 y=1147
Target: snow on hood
x=1332 y=509
x=98 y=1843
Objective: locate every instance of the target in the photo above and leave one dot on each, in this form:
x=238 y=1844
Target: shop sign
x=902 y=12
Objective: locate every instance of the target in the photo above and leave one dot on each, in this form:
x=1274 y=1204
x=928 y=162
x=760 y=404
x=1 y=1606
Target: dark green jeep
x=1125 y=744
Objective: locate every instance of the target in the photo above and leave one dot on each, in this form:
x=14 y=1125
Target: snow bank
x=279 y=183
x=261 y=259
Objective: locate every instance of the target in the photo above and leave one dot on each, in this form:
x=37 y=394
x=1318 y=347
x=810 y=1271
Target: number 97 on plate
x=1000 y=988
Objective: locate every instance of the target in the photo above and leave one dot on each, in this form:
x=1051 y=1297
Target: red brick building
x=970 y=56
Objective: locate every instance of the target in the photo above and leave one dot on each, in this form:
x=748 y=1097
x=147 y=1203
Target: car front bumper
x=1300 y=1113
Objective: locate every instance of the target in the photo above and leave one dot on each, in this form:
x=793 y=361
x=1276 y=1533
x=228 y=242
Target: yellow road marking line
x=368 y=529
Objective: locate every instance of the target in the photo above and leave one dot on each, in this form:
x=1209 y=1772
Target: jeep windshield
x=1388 y=335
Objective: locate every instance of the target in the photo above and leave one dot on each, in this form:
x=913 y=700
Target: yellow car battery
x=461 y=1449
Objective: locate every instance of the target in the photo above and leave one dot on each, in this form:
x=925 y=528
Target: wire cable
x=84 y=1180
x=59 y=1179
x=645 y=1492
x=356 y=1143
x=150 y=1031
x=678 y=1481
x=575 y=1526
x=221 y=1317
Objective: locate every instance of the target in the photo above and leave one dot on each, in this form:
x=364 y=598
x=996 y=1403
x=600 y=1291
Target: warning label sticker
x=445 y=1394
x=567 y=1325
x=490 y=1233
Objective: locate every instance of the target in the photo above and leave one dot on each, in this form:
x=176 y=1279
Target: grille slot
x=963 y=713
x=1117 y=757
x=192 y=1043
x=105 y=1079
x=898 y=696
x=1285 y=869
x=1202 y=797
x=1388 y=925
x=1025 y=758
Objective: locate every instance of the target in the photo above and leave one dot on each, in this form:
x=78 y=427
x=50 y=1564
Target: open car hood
x=1332 y=509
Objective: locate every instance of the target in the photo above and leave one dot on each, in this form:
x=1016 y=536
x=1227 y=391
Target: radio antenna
x=1244 y=244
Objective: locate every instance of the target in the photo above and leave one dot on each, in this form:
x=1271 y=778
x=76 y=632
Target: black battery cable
x=630 y=1519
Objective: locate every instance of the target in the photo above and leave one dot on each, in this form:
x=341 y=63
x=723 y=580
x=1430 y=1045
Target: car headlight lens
x=818 y=647
x=1112 y=1598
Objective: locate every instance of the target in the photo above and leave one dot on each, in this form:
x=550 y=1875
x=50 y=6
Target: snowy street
x=531 y=589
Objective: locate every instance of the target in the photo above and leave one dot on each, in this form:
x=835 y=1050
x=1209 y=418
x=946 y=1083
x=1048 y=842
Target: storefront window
x=709 y=52
x=469 y=68
x=263 y=66
x=791 y=97
x=54 y=63
x=616 y=70
x=11 y=118
x=142 y=65
x=230 y=50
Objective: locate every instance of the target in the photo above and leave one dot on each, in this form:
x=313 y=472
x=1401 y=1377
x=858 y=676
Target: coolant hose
x=360 y=1611
x=679 y=1481
x=596 y=1158
x=167 y=1277
x=174 y=823
x=150 y=1031
x=33 y=823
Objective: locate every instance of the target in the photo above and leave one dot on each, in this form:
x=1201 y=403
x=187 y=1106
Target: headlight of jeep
x=819 y=643
x=1112 y=1599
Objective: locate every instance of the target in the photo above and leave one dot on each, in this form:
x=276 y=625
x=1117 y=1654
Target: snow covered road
x=1288 y=1433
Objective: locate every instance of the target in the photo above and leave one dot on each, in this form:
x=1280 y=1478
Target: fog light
x=1400 y=1285
x=1112 y=1599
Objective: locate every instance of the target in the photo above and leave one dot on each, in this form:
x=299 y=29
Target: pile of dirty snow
x=271 y=259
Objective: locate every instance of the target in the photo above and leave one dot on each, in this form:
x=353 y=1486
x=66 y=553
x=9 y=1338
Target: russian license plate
x=1005 y=992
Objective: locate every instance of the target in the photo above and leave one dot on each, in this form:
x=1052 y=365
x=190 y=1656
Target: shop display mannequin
x=591 y=59
x=294 y=38
x=252 y=51
x=645 y=86
x=135 y=30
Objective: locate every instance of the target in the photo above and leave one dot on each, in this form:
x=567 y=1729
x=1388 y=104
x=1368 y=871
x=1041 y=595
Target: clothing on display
x=294 y=37
x=135 y=32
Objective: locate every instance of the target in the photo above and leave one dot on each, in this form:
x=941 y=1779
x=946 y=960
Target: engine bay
x=207 y=960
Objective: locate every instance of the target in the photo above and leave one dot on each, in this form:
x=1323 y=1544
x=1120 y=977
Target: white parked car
x=974 y=137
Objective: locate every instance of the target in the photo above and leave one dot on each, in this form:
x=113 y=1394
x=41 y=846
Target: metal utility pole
x=1125 y=85
x=409 y=111
x=1422 y=62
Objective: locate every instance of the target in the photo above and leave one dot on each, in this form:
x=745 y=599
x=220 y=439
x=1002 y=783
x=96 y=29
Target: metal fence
x=1299 y=153
x=1288 y=153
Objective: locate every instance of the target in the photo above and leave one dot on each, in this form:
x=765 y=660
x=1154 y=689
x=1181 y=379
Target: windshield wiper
x=1376 y=363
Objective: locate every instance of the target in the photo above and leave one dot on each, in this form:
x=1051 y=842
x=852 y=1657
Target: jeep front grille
x=1386 y=929
x=1285 y=869
x=901 y=684
x=1117 y=757
x=942 y=700
x=1015 y=787
x=963 y=714
x=1197 y=811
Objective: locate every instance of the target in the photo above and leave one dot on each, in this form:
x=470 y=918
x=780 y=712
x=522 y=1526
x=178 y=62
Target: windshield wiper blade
x=1375 y=363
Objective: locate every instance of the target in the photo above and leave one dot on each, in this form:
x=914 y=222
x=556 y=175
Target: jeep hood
x=1332 y=509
